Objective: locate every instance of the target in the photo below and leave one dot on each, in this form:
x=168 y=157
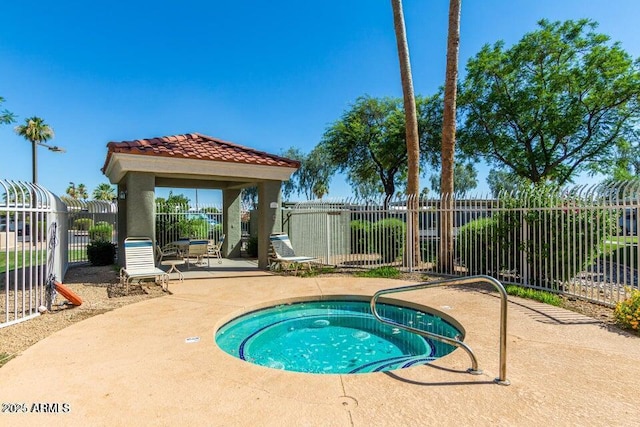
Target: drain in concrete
x=348 y=402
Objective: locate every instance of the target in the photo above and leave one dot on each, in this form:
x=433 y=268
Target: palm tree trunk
x=413 y=147
x=449 y=139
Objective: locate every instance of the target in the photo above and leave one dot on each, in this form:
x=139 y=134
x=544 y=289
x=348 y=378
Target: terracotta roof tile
x=197 y=146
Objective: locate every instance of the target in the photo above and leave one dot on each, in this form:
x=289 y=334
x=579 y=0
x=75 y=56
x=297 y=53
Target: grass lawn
x=19 y=259
x=623 y=249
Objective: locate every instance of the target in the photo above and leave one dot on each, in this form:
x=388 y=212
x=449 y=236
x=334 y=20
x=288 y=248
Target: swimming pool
x=334 y=337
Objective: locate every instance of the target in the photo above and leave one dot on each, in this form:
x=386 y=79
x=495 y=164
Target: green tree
x=502 y=181
x=77 y=192
x=6 y=117
x=249 y=197
x=82 y=192
x=172 y=203
x=368 y=142
x=315 y=173
x=71 y=191
x=104 y=192
x=465 y=178
x=626 y=162
x=313 y=176
x=291 y=186
x=36 y=131
x=553 y=105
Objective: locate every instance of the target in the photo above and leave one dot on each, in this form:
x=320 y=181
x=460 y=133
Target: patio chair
x=166 y=251
x=215 y=249
x=198 y=250
x=283 y=257
x=140 y=263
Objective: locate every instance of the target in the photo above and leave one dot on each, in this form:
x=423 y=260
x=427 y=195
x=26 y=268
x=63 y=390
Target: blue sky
x=266 y=74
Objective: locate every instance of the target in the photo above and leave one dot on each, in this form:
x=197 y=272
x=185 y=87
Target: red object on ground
x=68 y=294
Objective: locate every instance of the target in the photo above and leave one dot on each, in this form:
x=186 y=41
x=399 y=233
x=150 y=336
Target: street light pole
x=34 y=157
x=34 y=162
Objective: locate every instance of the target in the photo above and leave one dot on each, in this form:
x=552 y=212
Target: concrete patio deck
x=133 y=366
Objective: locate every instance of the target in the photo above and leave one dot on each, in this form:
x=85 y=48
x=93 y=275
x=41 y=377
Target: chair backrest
x=138 y=254
x=216 y=246
x=198 y=247
x=282 y=245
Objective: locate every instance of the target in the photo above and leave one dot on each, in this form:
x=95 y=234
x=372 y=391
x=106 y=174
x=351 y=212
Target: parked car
x=12 y=226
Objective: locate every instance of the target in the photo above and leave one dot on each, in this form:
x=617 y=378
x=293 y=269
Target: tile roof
x=199 y=147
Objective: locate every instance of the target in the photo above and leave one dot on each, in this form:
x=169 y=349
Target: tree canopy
x=35 y=130
x=368 y=142
x=172 y=202
x=6 y=117
x=555 y=104
x=465 y=178
x=313 y=176
x=104 y=191
x=78 y=192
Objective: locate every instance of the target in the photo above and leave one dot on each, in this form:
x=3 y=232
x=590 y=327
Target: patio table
x=173 y=263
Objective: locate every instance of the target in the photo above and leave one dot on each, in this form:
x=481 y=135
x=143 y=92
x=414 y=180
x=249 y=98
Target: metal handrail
x=502 y=379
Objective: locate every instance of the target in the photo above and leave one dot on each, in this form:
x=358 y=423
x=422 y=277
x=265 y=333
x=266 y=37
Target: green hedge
x=101 y=252
x=360 y=236
x=101 y=231
x=387 y=238
x=556 y=235
x=82 y=224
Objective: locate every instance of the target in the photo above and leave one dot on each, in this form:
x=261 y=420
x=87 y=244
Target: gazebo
x=194 y=160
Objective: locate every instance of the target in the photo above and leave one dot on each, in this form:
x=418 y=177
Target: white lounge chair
x=140 y=263
x=283 y=257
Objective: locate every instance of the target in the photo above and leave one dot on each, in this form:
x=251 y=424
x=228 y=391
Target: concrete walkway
x=134 y=366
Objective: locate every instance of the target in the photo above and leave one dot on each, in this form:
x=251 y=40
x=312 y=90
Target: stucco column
x=232 y=223
x=269 y=217
x=122 y=221
x=140 y=206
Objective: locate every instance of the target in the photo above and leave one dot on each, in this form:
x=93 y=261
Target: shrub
x=101 y=231
x=477 y=248
x=627 y=312
x=552 y=230
x=387 y=238
x=193 y=227
x=252 y=247
x=101 y=252
x=359 y=236
x=82 y=224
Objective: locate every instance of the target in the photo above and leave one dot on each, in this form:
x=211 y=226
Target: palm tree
x=104 y=192
x=81 y=192
x=71 y=191
x=6 y=116
x=38 y=132
x=411 y=123
x=449 y=138
x=77 y=193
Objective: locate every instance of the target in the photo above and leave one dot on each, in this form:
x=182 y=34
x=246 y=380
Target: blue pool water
x=334 y=337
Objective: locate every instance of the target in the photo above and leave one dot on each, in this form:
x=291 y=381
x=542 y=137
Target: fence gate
x=27 y=235
x=89 y=220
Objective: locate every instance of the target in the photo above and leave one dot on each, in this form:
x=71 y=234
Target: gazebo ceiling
x=194 y=157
